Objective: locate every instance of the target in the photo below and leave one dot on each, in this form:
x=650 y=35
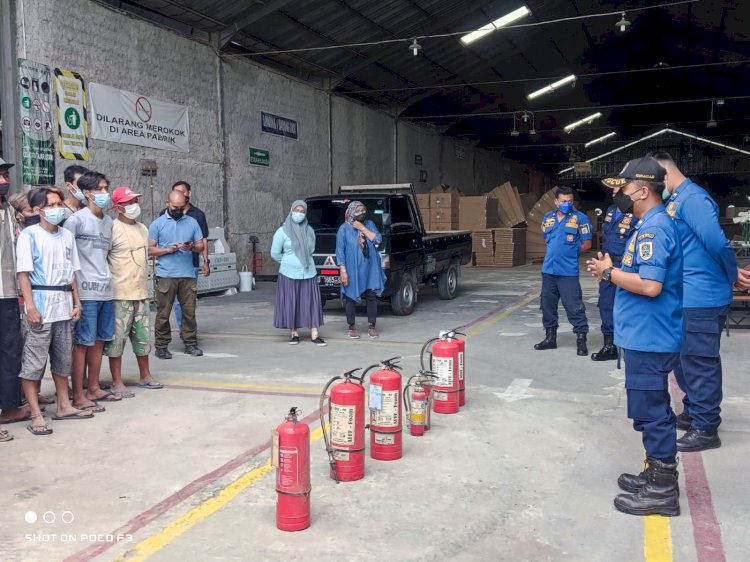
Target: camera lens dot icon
x=30 y=517
x=49 y=517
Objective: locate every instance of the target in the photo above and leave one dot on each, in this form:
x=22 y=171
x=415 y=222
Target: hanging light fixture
x=623 y=24
x=514 y=132
x=415 y=47
x=712 y=122
x=532 y=131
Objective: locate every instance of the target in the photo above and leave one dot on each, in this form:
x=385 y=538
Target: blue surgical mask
x=78 y=194
x=102 y=200
x=54 y=216
x=566 y=207
x=665 y=194
x=298 y=217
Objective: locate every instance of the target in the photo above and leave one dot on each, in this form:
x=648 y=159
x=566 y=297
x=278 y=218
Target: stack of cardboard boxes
x=536 y=247
x=510 y=247
x=444 y=206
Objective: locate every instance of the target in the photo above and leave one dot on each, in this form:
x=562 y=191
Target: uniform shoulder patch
x=646 y=250
x=585 y=229
x=672 y=208
x=645 y=236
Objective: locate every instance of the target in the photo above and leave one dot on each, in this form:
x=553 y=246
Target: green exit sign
x=260 y=157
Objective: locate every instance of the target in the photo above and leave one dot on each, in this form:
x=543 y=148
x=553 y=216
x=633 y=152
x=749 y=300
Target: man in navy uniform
x=710 y=271
x=616 y=231
x=568 y=234
x=648 y=326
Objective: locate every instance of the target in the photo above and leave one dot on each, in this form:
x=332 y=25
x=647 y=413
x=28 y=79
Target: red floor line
x=238 y=390
x=706 y=528
x=498 y=309
x=143 y=519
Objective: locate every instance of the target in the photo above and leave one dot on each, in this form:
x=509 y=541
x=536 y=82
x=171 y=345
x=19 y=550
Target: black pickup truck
x=409 y=255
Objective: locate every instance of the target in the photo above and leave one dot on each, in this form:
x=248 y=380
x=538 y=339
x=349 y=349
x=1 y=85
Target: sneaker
x=163 y=353
x=353 y=334
x=294 y=340
x=320 y=342
x=372 y=333
x=193 y=350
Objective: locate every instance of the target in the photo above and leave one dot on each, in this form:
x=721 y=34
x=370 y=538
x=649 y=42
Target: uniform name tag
x=644 y=236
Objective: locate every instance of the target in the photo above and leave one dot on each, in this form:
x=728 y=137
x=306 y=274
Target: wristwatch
x=607 y=274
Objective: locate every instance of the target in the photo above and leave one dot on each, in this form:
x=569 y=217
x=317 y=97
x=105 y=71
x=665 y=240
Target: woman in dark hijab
x=298 y=303
x=362 y=277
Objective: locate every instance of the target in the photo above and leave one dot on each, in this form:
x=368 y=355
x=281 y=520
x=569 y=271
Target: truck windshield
x=328 y=214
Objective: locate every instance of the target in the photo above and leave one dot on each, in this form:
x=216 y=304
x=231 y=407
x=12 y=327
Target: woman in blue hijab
x=298 y=303
x=362 y=277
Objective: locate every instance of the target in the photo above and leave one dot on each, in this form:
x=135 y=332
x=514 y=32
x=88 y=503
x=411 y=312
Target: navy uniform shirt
x=616 y=230
x=654 y=252
x=564 y=239
x=710 y=264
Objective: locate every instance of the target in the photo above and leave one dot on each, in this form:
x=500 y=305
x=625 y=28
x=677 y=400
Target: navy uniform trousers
x=649 y=404
x=699 y=372
x=606 y=305
x=568 y=289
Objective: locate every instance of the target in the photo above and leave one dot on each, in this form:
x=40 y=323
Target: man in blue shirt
x=172 y=238
x=648 y=326
x=568 y=234
x=615 y=233
x=710 y=271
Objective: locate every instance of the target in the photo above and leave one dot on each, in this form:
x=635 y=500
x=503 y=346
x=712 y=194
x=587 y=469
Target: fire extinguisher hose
x=424 y=348
x=326 y=437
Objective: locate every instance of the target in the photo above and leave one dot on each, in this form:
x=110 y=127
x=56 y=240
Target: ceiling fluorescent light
x=497 y=24
x=600 y=139
x=584 y=121
x=552 y=87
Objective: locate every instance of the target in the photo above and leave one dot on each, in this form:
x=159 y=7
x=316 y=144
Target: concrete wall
x=225 y=99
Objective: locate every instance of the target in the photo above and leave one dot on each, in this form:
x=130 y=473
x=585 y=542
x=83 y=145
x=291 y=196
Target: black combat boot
x=549 y=341
x=634 y=482
x=684 y=421
x=608 y=352
x=698 y=440
x=581 y=344
x=659 y=496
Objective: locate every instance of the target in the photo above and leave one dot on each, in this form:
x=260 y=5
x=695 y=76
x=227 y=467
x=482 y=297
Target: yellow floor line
x=482 y=326
x=657 y=539
x=218 y=384
x=218 y=335
x=153 y=544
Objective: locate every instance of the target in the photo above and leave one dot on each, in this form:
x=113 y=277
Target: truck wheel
x=448 y=283
x=404 y=301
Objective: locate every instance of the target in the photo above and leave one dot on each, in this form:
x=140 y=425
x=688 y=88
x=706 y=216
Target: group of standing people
x=298 y=300
x=74 y=288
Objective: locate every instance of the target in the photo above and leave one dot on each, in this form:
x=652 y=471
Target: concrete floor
x=526 y=471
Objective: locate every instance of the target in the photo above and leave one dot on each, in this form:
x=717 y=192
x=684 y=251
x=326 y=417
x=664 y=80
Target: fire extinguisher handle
x=392 y=363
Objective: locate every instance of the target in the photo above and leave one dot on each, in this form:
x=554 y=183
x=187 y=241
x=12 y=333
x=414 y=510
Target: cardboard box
x=445 y=188
x=510 y=209
x=510 y=247
x=444 y=215
x=442 y=226
x=423 y=201
x=477 y=213
x=444 y=201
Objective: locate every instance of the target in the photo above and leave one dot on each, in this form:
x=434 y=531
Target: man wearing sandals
x=47 y=261
x=128 y=262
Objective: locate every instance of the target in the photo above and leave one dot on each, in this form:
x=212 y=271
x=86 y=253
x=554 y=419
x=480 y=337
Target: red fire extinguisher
x=291 y=456
x=385 y=410
x=444 y=363
x=461 y=364
x=346 y=443
x=417 y=403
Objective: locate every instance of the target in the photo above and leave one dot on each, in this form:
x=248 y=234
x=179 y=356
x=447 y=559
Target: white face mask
x=298 y=217
x=132 y=211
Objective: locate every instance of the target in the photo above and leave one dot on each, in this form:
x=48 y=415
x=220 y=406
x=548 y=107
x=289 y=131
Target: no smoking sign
x=143 y=109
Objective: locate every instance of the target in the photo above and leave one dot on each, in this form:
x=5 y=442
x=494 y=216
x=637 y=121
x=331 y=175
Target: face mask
x=665 y=194
x=298 y=217
x=624 y=202
x=54 y=216
x=102 y=200
x=29 y=221
x=566 y=207
x=360 y=217
x=78 y=194
x=176 y=214
x=132 y=211
x=4 y=187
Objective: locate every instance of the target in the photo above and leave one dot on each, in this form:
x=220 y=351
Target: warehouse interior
x=484 y=107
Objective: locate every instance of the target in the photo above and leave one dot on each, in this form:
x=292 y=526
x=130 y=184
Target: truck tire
x=405 y=299
x=448 y=283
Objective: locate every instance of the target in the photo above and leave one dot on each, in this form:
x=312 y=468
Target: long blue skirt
x=298 y=304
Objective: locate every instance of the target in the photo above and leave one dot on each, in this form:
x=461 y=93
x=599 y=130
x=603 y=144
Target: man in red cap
x=128 y=261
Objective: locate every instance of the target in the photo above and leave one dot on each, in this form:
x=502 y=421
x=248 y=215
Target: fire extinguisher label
x=443 y=367
x=460 y=365
x=440 y=396
x=340 y=456
x=382 y=439
x=417 y=412
x=342 y=424
x=275 y=449
x=387 y=416
x=288 y=471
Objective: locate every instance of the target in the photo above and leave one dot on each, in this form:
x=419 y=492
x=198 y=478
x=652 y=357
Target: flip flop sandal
x=73 y=416
x=39 y=429
x=27 y=417
x=127 y=394
x=46 y=400
x=95 y=408
x=108 y=397
x=151 y=384
x=5 y=436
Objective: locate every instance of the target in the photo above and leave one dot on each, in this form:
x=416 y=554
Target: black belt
x=68 y=288
x=615 y=258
